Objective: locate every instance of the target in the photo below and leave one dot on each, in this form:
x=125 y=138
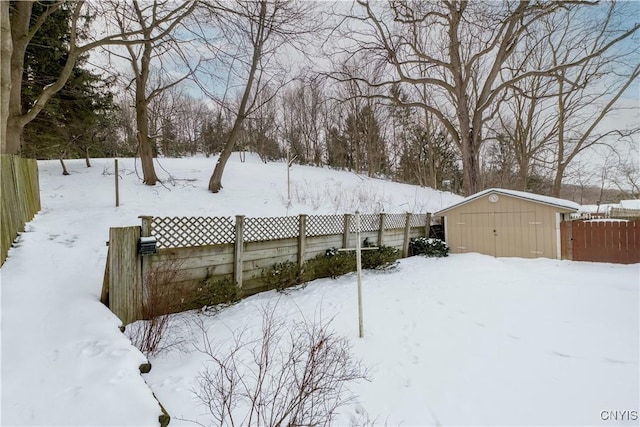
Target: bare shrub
x=365 y=197
x=156 y=334
x=289 y=376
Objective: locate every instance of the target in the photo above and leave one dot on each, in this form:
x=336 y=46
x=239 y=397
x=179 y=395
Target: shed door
x=500 y=234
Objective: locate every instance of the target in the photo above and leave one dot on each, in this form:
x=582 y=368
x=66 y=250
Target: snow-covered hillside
x=467 y=339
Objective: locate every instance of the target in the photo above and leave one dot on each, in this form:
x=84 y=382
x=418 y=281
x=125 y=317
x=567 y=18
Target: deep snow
x=465 y=340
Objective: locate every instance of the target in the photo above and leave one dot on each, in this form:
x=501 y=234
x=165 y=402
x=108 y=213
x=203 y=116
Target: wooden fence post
x=239 y=251
x=566 y=238
x=125 y=274
x=302 y=238
x=381 y=229
x=427 y=225
x=145 y=231
x=346 y=230
x=407 y=229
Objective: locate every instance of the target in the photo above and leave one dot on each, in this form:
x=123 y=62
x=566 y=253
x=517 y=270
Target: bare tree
x=260 y=31
x=260 y=131
x=525 y=123
x=360 y=132
x=459 y=50
x=585 y=95
x=156 y=22
x=302 y=121
x=627 y=176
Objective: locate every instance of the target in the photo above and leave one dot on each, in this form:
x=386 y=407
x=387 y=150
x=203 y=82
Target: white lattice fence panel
x=178 y=232
x=368 y=222
x=262 y=229
x=394 y=221
x=324 y=225
x=417 y=220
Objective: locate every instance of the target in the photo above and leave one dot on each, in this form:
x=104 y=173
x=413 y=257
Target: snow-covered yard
x=464 y=340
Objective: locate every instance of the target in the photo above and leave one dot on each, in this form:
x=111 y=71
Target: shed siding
x=508 y=227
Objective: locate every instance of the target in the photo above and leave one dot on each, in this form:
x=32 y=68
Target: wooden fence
x=623 y=213
x=222 y=247
x=601 y=241
x=19 y=200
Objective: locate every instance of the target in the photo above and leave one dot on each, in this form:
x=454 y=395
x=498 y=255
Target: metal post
x=290 y=161
x=288 y=178
x=239 y=251
x=117 y=183
x=359 y=274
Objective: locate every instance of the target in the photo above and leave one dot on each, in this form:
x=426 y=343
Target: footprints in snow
x=65 y=240
x=92 y=349
x=619 y=362
x=604 y=360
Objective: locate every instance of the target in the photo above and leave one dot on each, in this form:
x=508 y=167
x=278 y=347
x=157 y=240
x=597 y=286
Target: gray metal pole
x=117 y=183
x=359 y=273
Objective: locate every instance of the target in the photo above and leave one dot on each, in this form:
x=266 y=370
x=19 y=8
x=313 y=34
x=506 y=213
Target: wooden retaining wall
x=19 y=198
x=243 y=254
x=601 y=241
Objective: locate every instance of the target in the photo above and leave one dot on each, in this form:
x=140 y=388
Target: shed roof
x=630 y=204
x=545 y=200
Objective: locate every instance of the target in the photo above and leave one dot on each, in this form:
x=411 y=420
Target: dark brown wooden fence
x=601 y=241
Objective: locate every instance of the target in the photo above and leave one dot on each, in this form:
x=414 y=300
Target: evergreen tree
x=75 y=119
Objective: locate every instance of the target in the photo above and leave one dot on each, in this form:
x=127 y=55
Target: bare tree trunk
x=215 y=182
x=145 y=145
x=470 y=169
x=86 y=157
x=19 y=27
x=144 y=141
x=6 y=49
x=559 y=163
x=15 y=130
x=64 y=167
x=141 y=64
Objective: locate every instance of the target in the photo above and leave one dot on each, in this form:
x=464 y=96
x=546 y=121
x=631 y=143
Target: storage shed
x=506 y=223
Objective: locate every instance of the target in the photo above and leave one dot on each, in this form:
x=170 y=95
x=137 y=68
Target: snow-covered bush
x=283 y=275
x=382 y=258
x=332 y=263
x=428 y=247
x=215 y=294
